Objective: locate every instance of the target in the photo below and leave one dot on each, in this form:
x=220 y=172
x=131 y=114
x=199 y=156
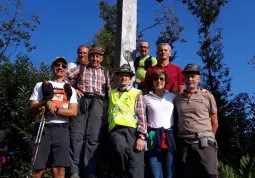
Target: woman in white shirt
x=161 y=145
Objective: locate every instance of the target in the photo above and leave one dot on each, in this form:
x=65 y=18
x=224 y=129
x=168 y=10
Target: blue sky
x=66 y=24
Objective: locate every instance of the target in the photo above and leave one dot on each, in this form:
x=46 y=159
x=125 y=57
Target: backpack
x=147 y=62
x=59 y=96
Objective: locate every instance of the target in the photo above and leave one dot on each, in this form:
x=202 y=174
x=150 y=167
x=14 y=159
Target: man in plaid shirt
x=92 y=91
x=127 y=126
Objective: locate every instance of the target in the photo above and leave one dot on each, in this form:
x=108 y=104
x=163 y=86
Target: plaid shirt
x=93 y=80
x=139 y=110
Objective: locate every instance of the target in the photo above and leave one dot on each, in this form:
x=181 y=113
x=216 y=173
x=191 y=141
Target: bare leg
x=58 y=172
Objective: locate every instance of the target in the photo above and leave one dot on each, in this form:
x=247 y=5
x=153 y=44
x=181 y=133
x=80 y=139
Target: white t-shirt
x=72 y=65
x=160 y=110
x=37 y=95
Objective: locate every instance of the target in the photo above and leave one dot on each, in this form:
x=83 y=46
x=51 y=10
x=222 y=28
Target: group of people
x=157 y=127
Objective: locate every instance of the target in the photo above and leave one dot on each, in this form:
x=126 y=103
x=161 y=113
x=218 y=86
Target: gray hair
x=164 y=44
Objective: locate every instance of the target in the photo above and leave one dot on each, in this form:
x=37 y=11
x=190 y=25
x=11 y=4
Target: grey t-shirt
x=194 y=112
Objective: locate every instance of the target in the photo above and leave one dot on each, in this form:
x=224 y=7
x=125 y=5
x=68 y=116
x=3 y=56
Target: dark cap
x=96 y=50
x=59 y=59
x=191 y=68
x=125 y=68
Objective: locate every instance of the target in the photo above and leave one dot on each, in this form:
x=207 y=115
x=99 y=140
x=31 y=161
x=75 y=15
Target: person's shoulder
x=72 y=65
x=38 y=84
x=206 y=94
x=175 y=66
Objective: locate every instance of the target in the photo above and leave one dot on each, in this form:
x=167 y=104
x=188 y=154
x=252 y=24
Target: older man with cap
x=60 y=103
x=197 y=123
x=127 y=126
x=92 y=89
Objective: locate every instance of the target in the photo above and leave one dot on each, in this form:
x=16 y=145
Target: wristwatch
x=142 y=137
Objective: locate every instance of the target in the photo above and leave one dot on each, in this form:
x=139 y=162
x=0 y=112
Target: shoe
x=75 y=176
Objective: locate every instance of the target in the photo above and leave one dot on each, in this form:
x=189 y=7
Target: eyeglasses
x=62 y=65
x=159 y=78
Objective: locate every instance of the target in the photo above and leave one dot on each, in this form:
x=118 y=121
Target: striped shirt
x=139 y=110
x=93 y=80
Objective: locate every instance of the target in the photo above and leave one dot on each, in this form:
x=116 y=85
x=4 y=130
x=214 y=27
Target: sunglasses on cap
x=62 y=65
x=159 y=78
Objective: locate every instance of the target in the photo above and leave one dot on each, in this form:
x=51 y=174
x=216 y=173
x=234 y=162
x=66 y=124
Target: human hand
x=202 y=90
x=50 y=107
x=79 y=93
x=138 y=81
x=139 y=144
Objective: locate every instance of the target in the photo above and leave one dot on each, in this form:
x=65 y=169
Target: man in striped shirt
x=92 y=90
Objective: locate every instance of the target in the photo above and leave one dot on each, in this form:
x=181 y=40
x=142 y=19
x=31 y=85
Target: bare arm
x=35 y=106
x=214 y=122
x=70 y=112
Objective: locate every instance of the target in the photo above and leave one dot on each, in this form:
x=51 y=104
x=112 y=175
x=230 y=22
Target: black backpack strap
x=136 y=63
x=148 y=63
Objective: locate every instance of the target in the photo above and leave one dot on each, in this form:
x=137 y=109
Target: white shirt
x=160 y=110
x=72 y=65
x=37 y=95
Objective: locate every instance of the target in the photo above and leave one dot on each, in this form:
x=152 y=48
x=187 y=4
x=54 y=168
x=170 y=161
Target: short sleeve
x=37 y=93
x=73 y=98
x=180 y=77
x=212 y=104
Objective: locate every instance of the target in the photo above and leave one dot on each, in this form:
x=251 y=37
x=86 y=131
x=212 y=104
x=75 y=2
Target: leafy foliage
x=15 y=27
x=18 y=80
x=171 y=30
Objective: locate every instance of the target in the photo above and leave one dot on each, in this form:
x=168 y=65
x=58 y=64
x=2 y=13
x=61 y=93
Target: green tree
x=15 y=27
x=105 y=37
x=18 y=79
x=215 y=74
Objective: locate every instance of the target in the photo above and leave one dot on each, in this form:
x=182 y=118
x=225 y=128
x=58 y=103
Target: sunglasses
x=159 y=78
x=62 y=65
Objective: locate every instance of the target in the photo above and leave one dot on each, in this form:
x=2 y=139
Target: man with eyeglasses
x=197 y=123
x=142 y=63
x=173 y=71
x=92 y=88
x=60 y=103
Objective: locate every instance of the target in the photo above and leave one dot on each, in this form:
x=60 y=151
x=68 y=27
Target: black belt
x=93 y=95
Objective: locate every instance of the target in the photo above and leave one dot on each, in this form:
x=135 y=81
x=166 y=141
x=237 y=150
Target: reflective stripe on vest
x=122 y=109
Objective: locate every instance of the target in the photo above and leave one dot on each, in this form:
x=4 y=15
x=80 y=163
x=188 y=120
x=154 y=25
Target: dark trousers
x=89 y=123
x=126 y=161
x=196 y=161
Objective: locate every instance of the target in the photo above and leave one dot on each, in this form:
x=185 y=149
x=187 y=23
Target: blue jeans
x=162 y=164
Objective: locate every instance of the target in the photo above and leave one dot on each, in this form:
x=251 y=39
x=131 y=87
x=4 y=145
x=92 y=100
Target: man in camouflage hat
x=92 y=90
x=197 y=123
x=127 y=126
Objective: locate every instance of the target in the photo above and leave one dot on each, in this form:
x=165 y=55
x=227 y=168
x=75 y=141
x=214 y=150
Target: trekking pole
x=37 y=142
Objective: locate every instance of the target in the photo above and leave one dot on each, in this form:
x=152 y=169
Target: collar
x=89 y=66
x=125 y=89
x=185 y=93
x=160 y=65
x=152 y=93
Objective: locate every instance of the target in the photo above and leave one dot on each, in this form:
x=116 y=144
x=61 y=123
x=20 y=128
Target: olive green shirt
x=194 y=112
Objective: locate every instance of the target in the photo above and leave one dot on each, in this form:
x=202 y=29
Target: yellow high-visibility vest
x=122 y=109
